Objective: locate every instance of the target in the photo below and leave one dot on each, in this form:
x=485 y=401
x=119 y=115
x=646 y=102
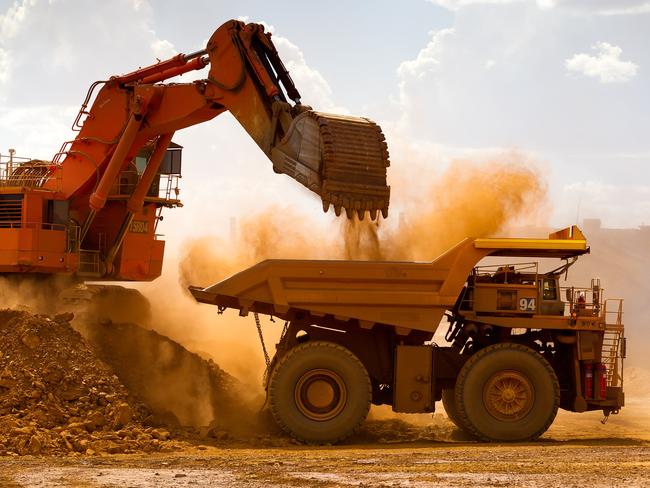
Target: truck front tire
x=507 y=392
x=319 y=392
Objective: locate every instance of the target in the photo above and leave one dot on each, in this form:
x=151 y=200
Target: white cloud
x=606 y=7
x=428 y=59
x=456 y=4
x=600 y=7
x=312 y=85
x=10 y=23
x=12 y=19
x=5 y=66
x=139 y=4
x=417 y=80
x=606 y=65
x=162 y=48
x=632 y=9
x=36 y=132
x=71 y=37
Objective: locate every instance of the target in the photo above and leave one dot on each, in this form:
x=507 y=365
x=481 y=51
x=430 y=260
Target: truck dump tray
x=407 y=295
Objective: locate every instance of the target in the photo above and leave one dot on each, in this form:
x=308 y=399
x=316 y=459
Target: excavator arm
x=343 y=159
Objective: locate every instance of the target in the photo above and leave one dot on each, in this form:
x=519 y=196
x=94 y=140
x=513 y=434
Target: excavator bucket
x=342 y=158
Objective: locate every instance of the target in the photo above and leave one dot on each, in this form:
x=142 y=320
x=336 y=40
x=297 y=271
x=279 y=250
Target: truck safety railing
x=510 y=273
x=583 y=301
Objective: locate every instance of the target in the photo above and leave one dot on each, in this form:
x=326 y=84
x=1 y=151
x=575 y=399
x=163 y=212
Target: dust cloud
x=276 y=232
x=476 y=197
x=32 y=293
x=472 y=198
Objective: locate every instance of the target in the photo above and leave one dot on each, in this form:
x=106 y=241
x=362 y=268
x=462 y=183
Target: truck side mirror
x=568 y=294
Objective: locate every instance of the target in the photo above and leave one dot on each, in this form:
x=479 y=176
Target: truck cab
x=513 y=289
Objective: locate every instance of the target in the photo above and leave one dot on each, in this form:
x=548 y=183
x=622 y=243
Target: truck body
x=520 y=345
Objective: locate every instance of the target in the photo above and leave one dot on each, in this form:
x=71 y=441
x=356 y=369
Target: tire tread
x=286 y=358
x=462 y=409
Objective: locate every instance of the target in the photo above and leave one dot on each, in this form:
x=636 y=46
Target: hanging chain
x=259 y=331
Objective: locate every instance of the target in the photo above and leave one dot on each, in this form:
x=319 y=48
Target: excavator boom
x=343 y=159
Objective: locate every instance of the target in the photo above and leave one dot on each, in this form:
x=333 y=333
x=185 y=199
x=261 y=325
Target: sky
x=565 y=82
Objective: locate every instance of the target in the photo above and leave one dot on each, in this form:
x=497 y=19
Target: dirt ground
x=577 y=451
x=48 y=440
x=577 y=463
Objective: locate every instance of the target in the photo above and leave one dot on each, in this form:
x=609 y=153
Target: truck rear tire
x=507 y=392
x=319 y=392
x=449 y=404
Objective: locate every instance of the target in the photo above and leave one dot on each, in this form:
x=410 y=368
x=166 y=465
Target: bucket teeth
x=384 y=212
x=353 y=166
x=343 y=159
x=373 y=214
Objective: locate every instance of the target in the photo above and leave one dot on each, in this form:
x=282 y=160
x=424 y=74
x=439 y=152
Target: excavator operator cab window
x=171 y=163
x=140 y=163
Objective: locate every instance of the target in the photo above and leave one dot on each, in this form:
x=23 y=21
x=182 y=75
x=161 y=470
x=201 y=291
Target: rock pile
x=179 y=387
x=58 y=397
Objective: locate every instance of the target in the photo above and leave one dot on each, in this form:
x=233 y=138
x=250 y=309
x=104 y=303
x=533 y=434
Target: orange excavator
x=93 y=210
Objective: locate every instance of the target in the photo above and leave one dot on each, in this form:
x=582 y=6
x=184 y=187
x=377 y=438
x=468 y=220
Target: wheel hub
x=320 y=394
x=508 y=395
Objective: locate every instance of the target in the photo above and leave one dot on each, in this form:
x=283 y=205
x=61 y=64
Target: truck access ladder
x=613 y=351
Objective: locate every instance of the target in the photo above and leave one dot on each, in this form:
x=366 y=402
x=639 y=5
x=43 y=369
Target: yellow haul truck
x=358 y=333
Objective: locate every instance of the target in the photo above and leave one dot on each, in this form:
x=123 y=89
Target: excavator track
x=342 y=158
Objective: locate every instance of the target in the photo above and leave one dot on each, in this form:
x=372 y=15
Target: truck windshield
x=549 y=290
